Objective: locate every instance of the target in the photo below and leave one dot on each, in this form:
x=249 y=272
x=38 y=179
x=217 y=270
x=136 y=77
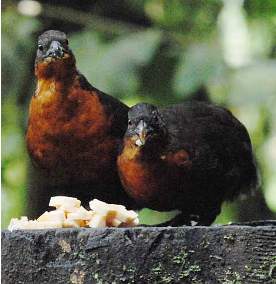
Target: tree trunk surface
x=242 y=253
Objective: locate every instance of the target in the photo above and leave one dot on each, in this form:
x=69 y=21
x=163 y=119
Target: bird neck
x=56 y=82
x=130 y=150
x=58 y=71
x=133 y=152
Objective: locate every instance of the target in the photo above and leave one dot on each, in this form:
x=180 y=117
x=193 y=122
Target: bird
x=189 y=157
x=74 y=130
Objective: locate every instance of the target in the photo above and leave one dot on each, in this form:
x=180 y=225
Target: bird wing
x=217 y=143
x=115 y=109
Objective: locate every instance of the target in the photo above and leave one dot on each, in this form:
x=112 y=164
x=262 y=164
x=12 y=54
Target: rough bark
x=216 y=254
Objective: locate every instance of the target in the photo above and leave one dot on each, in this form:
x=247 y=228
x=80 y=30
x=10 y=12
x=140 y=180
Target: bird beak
x=55 y=50
x=141 y=131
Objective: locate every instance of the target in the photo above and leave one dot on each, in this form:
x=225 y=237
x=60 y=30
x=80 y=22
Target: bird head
x=146 y=127
x=53 y=57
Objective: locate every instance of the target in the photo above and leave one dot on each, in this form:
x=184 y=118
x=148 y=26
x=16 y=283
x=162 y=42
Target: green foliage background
x=228 y=47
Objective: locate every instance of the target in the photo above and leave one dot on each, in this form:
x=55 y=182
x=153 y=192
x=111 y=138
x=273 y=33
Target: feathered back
x=219 y=144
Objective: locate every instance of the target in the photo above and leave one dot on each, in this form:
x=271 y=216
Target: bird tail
x=248 y=182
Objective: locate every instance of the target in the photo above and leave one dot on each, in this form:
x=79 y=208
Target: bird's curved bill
x=141 y=131
x=55 y=50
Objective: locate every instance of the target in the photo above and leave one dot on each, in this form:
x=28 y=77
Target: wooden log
x=216 y=254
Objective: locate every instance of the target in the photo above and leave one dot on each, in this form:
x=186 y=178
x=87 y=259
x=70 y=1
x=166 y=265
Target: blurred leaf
x=168 y=13
x=88 y=48
x=12 y=142
x=113 y=66
x=270 y=193
x=15 y=173
x=254 y=84
x=151 y=217
x=13 y=162
x=260 y=8
x=261 y=35
x=228 y=214
x=17 y=45
x=198 y=64
x=133 y=100
x=191 y=18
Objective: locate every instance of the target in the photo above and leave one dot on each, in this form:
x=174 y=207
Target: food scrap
x=70 y=214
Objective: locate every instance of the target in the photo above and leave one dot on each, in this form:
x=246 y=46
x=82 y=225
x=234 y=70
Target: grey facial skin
x=52 y=45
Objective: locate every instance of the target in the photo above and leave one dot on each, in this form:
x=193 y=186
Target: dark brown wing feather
x=219 y=145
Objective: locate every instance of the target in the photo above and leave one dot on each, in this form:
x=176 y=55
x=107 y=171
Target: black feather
x=220 y=144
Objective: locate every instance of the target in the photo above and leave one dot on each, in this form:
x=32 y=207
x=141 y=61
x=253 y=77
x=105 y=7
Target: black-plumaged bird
x=74 y=130
x=190 y=157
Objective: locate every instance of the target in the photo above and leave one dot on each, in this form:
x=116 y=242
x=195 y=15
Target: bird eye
x=40 y=47
x=129 y=122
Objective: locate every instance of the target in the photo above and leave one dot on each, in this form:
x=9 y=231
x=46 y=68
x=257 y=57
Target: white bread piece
x=55 y=215
x=135 y=222
x=69 y=214
x=103 y=207
x=80 y=214
x=67 y=209
x=130 y=223
x=115 y=222
x=112 y=211
x=36 y=225
x=18 y=224
x=74 y=223
x=70 y=224
x=99 y=206
x=25 y=224
x=65 y=203
x=82 y=223
x=119 y=211
x=122 y=214
x=127 y=216
x=97 y=221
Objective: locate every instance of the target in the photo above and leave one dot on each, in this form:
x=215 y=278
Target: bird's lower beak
x=141 y=131
x=55 y=50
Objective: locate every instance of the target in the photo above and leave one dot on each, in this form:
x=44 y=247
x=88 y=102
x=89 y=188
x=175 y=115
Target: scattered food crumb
x=70 y=214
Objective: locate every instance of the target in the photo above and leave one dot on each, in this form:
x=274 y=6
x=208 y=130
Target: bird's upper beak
x=141 y=131
x=55 y=50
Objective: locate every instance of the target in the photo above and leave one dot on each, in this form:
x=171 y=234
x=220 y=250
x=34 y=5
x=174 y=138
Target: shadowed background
x=156 y=51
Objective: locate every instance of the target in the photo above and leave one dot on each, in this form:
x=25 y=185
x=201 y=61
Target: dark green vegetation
x=156 y=51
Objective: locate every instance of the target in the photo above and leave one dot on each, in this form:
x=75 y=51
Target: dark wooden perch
x=216 y=254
